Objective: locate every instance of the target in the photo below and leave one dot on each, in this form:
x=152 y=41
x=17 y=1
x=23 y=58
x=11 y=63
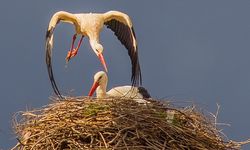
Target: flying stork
x=90 y=25
x=100 y=86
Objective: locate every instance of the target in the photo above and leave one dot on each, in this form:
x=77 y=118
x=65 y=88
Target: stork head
x=98 y=49
x=100 y=81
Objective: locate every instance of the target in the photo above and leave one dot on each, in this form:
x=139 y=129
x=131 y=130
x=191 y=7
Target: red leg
x=78 y=46
x=70 y=52
x=73 y=42
x=75 y=50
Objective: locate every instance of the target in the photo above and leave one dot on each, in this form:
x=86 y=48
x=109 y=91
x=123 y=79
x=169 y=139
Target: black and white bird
x=90 y=25
x=100 y=87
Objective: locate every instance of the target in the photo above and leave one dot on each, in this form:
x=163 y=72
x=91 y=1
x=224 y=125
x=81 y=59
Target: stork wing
x=57 y=17
x=121 y=25
x=49 y=46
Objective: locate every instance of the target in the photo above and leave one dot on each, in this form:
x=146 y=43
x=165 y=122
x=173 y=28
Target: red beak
x=101 y=58
x=93 y=88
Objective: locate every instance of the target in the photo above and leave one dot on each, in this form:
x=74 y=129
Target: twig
x=106 y=146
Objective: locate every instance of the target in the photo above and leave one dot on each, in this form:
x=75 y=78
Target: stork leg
x=73 y=51
x=78 y=46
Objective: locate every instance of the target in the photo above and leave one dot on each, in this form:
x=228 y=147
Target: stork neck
x=101 y=91
x=93 y=43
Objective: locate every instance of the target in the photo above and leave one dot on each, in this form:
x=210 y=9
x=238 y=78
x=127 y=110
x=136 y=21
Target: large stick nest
x=85 y=123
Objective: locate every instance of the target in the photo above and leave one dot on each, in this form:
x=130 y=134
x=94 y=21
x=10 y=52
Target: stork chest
x=90 y=23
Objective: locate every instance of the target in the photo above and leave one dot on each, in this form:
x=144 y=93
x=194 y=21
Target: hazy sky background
x=194 y=50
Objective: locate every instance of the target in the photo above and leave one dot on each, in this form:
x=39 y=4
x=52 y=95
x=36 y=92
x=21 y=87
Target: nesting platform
x=88 y=123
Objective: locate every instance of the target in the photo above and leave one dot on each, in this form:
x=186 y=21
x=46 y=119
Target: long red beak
x=101 y=58
x=93 y=88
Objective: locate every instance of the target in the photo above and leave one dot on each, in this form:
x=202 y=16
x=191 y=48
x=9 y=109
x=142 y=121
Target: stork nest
x=87 y=123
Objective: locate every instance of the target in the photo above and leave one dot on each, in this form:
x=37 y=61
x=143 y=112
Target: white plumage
x=90 y=25
x=100 y=86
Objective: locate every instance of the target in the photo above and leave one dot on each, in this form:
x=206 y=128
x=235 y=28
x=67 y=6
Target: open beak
x=101 y=58
x=93 y=88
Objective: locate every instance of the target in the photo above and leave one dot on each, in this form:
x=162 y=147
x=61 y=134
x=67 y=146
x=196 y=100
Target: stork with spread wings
x=90 y=25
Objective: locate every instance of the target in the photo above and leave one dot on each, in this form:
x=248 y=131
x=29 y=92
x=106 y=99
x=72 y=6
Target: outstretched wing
x=121 y=25
x=48 y=47
x=56 y=18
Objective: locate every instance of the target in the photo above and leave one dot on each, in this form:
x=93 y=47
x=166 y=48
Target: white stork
x=100 y=86
x=90 y=25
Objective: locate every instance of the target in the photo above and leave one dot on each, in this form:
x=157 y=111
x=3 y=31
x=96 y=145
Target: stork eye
x=99 y=78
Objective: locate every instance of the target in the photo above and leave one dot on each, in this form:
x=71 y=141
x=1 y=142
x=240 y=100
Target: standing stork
x=100 y=86
x=90 y=25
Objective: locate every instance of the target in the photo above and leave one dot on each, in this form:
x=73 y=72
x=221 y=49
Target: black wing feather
x=48 y=49
x=144 y=92
x=125 y=34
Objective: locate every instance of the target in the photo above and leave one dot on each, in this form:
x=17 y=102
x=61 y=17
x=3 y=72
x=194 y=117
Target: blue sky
x=195 y=51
